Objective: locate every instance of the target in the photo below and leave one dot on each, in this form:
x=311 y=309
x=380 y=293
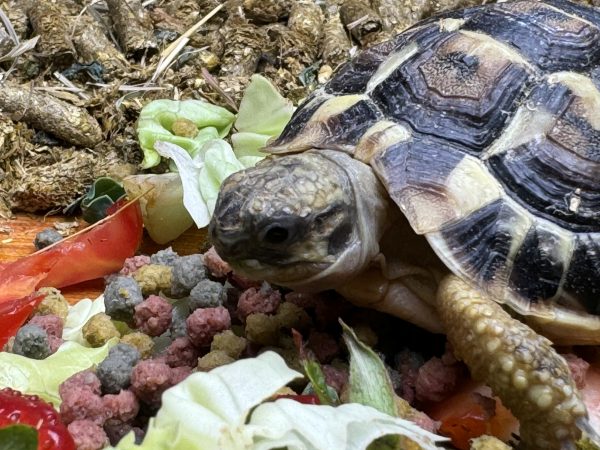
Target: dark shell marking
x=495 y=151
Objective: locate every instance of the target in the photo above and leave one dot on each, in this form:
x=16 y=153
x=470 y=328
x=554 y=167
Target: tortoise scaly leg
x=520 y=366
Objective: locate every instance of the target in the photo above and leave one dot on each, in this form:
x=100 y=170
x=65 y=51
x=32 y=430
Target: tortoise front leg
x=520 y=366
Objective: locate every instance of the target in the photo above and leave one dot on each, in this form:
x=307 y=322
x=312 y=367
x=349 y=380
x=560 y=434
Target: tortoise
x=439 y=175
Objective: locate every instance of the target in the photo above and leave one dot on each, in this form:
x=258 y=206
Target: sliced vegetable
x=169 y=120
x=14 y=313
x=17 y=408
x=42 y=377
x=471 y=412
x=93 y=253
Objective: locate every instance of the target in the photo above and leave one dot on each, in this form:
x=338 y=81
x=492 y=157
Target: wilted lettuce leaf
x=42 y=377
x=214 y=411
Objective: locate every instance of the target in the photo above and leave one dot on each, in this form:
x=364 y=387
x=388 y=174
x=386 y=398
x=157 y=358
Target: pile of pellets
x=174 y=315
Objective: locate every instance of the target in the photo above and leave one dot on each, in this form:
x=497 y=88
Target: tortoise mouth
x=284 y=274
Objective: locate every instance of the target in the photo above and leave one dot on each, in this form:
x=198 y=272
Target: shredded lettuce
x=42 y=377
x=218 y=410
x=77 y=317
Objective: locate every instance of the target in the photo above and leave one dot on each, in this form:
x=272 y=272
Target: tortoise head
x=303 y=221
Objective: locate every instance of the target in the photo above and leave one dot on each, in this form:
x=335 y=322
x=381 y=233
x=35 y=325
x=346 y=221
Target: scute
x=583 y=277
x=540 y=263
x=488 y=140
x=548 y=37
x=453 y=91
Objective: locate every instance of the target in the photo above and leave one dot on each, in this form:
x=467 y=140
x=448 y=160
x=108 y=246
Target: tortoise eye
x=276 y=234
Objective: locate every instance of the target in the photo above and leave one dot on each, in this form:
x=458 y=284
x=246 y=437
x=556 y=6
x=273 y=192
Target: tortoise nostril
x=276 y=234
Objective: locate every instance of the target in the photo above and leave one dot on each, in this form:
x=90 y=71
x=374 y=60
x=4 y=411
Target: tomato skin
x=17 y=408
x=96 y=252
x=13 y=314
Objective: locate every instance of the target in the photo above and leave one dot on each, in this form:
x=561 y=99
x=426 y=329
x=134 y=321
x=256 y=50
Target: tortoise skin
x=484 y=127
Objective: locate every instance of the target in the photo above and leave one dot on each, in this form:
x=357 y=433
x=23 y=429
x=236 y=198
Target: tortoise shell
x=484 y=126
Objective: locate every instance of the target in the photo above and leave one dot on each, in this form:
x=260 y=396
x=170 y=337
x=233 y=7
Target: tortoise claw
x=520 y=366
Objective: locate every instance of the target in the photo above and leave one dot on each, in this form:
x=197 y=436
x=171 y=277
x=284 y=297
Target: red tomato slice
x=93 y=253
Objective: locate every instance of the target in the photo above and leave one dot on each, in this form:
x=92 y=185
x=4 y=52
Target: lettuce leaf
x=263 y=115
x=208 y=410
x=77 y=317
x=156 y=120
x=202 y=176
x=369 y=382
x=42 y=377
x=219 y=163
x=295 y=426
x=263 y=109
x=217 y=410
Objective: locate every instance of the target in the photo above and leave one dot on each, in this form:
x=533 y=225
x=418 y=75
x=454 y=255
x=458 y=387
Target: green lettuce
x=206 y=159
x=218 y=410
x=42 y=377
x=156 y=120
x=263 y=115
x=369 y=381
